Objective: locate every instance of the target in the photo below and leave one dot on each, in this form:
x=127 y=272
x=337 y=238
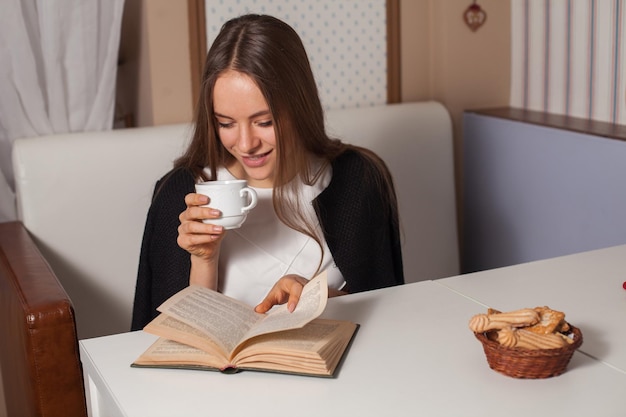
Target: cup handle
x=253 y=198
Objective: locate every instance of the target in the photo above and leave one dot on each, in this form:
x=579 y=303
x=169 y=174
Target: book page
x=230 y=322
x=308 y=340
x=222 y=318
x=315 y=348
x=171 y=328
x=164 y=351
x=312 y=303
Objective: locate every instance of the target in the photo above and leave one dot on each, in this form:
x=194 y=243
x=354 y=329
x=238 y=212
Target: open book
x=204 y=329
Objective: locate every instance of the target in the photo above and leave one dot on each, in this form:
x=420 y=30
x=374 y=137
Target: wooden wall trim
x=557 y=121
x=197 y=44
x=393 y=51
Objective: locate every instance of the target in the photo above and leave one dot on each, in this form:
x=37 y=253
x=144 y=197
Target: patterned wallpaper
x=346 y=42
x=568 y=58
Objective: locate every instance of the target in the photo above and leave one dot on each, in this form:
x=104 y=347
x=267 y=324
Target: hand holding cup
x=233 y=198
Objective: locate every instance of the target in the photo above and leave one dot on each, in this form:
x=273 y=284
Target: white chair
x=415 y=140
x=84 y=198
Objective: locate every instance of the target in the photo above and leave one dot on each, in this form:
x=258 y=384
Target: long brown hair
x=271 y=53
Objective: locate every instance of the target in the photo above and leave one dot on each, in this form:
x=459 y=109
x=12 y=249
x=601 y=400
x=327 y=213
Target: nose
x=247 y=141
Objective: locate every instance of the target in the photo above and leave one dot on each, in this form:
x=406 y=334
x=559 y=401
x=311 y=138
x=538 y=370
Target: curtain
x=569 y=57
x=58 y=64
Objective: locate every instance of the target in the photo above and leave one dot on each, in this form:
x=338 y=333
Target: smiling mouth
x=256 y=161
x=257 y=157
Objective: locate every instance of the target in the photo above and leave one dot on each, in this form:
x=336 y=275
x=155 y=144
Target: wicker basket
x=529 y=363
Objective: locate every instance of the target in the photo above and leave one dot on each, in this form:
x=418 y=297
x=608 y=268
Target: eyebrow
x=257 y=114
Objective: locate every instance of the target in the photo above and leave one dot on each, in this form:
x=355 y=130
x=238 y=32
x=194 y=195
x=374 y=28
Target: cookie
x=519 y=318
x=550 y=321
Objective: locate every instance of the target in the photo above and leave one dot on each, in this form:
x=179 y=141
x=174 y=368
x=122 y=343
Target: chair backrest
x=415 y=141
x=84 y=198
x=41 y=369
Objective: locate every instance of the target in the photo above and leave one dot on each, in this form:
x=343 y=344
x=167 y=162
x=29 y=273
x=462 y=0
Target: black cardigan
x=359 y=230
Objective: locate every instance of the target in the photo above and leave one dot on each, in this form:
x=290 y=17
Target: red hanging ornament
x=474 y=16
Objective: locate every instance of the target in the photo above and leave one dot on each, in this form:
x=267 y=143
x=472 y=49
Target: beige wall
x=415 y=50
x=443 y=60
x=154 y=83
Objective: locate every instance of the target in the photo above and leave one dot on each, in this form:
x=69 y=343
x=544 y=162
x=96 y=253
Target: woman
x=323 y=204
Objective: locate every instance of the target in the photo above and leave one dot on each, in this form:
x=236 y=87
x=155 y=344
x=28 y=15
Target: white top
x=255 y=256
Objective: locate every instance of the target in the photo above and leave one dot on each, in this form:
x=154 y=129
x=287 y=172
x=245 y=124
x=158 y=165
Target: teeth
x=255 y=157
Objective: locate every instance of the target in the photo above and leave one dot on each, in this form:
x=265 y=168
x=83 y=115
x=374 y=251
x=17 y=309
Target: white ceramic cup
x=232 y=197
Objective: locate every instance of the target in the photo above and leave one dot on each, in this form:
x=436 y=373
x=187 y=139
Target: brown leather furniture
x=40 y=362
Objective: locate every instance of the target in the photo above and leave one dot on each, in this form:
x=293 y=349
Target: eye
x=266 y=123
x=224 y=125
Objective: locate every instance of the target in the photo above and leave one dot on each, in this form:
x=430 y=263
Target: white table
x=413 y=355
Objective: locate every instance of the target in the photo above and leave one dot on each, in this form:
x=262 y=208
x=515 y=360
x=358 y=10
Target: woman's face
x=246 y=128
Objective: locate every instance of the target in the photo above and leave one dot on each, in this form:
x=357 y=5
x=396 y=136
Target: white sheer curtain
x=58 y=64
